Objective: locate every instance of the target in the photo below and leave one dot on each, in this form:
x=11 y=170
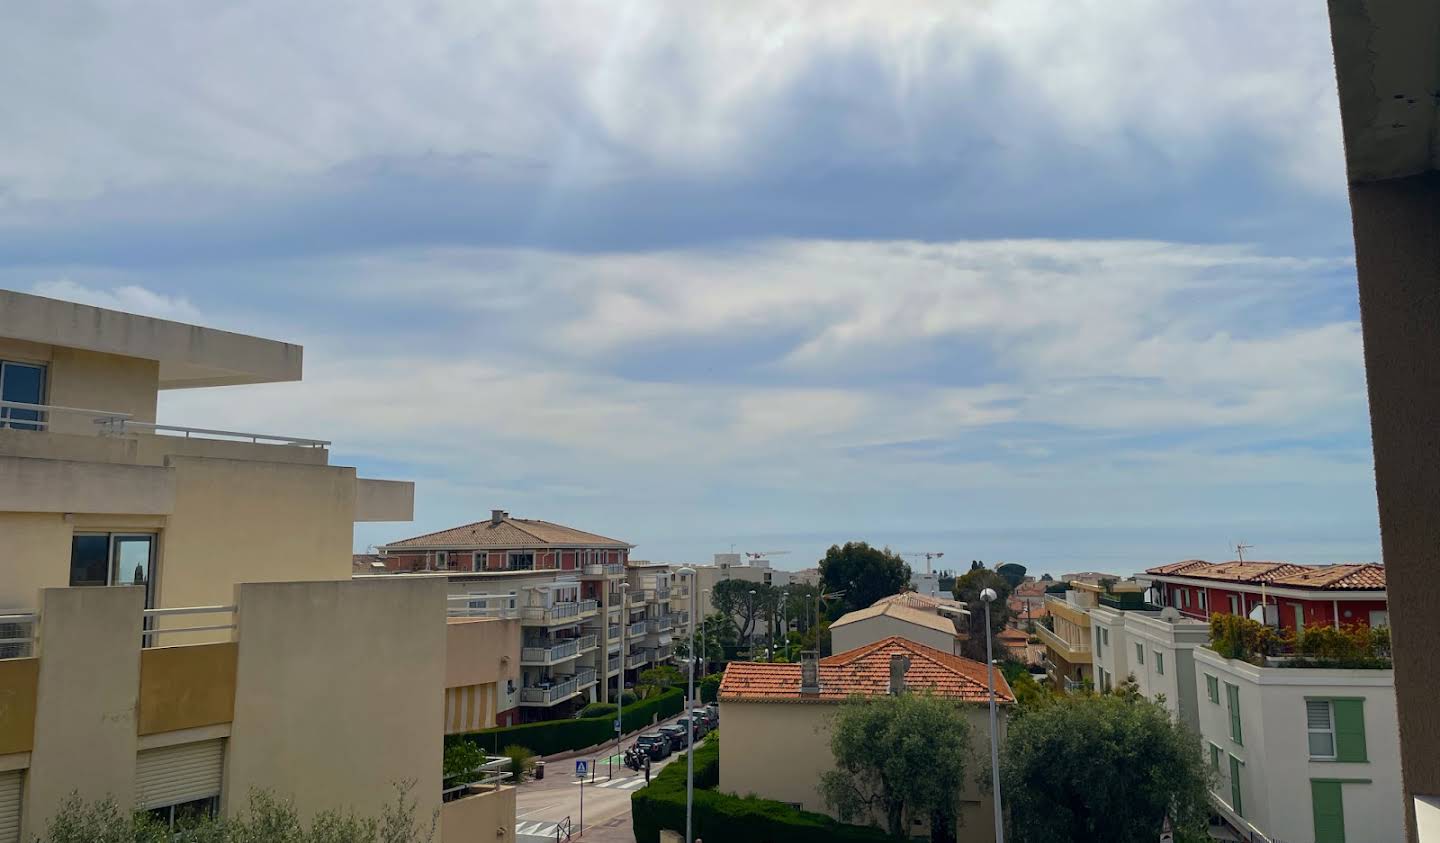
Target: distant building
x=888 y=619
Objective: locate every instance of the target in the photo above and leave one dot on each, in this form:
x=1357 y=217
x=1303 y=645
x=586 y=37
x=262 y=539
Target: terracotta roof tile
x=1348 y=577
x=864 y=671
x=916 y=600
x=1179 y=567
x=900 y=612
x=509 y=533
x=1245 y=572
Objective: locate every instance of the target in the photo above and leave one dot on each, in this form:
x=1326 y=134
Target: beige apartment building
x=178 y=623
x=887 y=618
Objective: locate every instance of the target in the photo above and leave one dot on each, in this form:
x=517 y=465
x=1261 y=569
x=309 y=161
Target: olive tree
x=898 y=758
x=1110 y=767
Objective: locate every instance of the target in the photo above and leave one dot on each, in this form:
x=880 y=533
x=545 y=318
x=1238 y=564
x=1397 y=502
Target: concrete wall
x=384 y=500
x=19 y=687
x=186 y=687
x=779 y=751
x=481 y=650
x=94 y=381
x=42 y=485
x=243 y=521
x=482 y=818
x=1397 y=255
x=338 y=693
x=1276 y=777
x=869 y=630
x=34 y=554
x=85 y=726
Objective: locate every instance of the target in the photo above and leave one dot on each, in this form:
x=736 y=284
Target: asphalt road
x=541 y=806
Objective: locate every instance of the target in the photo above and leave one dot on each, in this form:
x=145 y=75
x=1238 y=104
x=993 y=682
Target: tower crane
x=763 y=554
x=928 y=556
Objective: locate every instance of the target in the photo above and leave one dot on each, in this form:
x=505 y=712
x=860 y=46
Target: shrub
x=1236 y=637
x=710 y=688
x=599 y=709
x=461 y=760
x=554 y=736
x=522 y=761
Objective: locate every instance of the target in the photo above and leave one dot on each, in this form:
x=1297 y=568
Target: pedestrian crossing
x=542 y=830
x=621 y=784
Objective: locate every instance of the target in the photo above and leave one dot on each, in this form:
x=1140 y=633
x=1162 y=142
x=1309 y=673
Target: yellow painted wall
x=94 y=381
x=869 y=630
x=186 y=687
x=244 y=521
x=86 y=700
x=18 y=686
x=482 y=817
x=339 y=693
x=480 y=651
x=34 y=554
x=779 y=751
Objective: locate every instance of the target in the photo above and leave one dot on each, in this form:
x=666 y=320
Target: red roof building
x=1294 y=595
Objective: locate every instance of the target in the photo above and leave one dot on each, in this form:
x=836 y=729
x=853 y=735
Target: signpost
x=582 y=769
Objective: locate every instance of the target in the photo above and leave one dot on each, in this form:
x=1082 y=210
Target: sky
x=1065 y=284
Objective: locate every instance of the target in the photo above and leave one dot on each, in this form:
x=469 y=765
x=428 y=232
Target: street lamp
x=753 y=612
x=619 y=680
x=785 y=619
x=704 y=660
x=689 y=573
x=987 y=597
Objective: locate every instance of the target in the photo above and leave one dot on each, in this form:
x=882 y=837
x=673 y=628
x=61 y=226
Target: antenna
x=1240 y=550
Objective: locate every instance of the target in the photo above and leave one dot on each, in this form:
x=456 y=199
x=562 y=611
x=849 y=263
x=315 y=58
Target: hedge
x=553 y=736
x=722 y=818
x=710 y=688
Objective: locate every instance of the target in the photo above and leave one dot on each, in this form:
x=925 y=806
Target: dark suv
x=676 y=734
x=654 y=744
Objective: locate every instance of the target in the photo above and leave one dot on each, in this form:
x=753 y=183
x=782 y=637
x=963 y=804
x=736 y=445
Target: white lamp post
x=987 y=597
x=704 y=601
x=689 y=574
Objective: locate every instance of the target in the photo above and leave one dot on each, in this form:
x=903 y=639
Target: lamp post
x=689 y=573
x=987 y=597
x=785 y=620
x=704 y=658
x=619 y=680
x=753 y=612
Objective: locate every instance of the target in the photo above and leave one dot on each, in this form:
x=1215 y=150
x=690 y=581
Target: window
x=1327 y=805
x=1140 y=654
x=442 y=560
x=177 y=817
x=23 y=383
x=1202 y=594
x=1232 y=702
x=1212 y=688
x=1159 y=663
x=1234 y=605
x=477 y=560
x=522 y=560
x=1336 y=730
x=1105 y=636
x=1215 y=758
x=1379 y=617
x=1299 y=617
x=113 y=559
x=1236 y=803
x=1321 y=730
x=1185 y=599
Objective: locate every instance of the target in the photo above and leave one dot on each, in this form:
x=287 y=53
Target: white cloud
x=129 y=298
x=564 y=93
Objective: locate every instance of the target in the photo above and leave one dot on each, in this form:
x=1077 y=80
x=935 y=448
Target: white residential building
x=1157 y=648
x=1303 y=754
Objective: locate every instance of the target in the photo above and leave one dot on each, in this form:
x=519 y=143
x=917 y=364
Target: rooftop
x=1366 y=576
x=900 y=612
x=506 y=533
x=864 y=671
x=1361 y=577
x=916 y=600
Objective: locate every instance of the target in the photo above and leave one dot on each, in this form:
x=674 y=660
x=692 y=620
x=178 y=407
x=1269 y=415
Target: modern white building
x=1156 y=647
x=1302 y=754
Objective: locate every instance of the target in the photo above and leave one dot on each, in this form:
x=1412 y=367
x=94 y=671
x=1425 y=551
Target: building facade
x=1287 y=595
x=888 y=619
x=1065 y=632
x=178 y=624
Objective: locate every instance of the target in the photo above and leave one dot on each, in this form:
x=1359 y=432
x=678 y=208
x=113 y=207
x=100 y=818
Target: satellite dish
x=1170 y=614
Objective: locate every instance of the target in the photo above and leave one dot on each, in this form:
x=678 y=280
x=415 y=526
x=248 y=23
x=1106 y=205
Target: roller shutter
x=10 y=806
x=174 y=774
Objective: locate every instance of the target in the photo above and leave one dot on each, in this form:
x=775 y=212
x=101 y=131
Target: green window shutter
x=1329 y=811
x=1232 y=700
x=1235 y=801
x=1214 y=757
x=1159 y=662
x=1349 y=730
x=1212 y=688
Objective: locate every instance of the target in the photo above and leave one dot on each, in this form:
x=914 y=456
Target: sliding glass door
x=114 y=559
x=23 y=383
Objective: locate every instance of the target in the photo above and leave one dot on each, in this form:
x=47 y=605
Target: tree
x=1013 y=572
x=898 y=758
x=1046 y=578
x=658 y=679
x=1112 y=767
x=864 y=573
x=735 y=598
x=967 y=591
x=710 y=639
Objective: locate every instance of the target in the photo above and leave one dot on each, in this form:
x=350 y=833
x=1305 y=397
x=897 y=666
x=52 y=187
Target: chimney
x=898 y=665
x=810 y=672
x=497 y=515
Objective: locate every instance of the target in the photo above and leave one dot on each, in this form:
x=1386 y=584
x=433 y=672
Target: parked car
x=695 y=723
x=654 y=744
x=707 y=716
x=714 y=709
x=676 y=733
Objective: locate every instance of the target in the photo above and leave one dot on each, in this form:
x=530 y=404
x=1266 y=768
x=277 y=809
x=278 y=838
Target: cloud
x=128 y=298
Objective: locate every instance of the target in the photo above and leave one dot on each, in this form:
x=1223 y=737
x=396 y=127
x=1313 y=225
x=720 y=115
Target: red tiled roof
x=1179 y=567
x=1245 y=572
x=509 y=533
x=1349 y=577
x=864 y=671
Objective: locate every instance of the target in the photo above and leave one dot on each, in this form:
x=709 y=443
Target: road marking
x=624 y=784
x=533 y=829
x=534 y=811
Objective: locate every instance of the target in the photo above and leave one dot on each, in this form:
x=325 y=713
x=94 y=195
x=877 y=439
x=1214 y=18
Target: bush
x=554 y=736
x=599 y=709
x=710 y=688
x=721 y=817
x=522 y=761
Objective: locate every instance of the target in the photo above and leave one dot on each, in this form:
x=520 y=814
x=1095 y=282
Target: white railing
x=639 y=595
x=492 y=773
x=17 y=634
x=660 y=624
x=637 y=628
x=150 y=633
x=551 y=614
x=461 y=606
x=584 y=677
x=587 y=643
x=545 y=653
x=679 y=592
x=613 y=632
x=662 y=653
x=7 y=419
x=604 y=570
x=613 y=664
x=121 y=426
x=549 y=695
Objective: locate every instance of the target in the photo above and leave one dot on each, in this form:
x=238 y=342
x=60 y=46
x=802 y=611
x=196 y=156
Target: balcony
x=680 y=591
x=612 y=666
x=613 y=632
x=639 y=595
x=1072 y=652
x=680 y=619
x=607 y=571
x=662 y=653
x=550 y=652
x=560 y=613
x=636 y=629
x=661 y=593
x=660 y=624
x=584 y=678
x=549 y=693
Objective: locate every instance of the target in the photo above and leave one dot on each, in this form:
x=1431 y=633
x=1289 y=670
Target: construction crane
x=928 y=556
x=764 y=554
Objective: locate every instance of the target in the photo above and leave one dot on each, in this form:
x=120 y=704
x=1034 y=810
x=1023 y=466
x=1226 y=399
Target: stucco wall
x=482 y=818
x=1276 y=778
x=384 y=500
x=42 y=485
x=779 y=751
x=19 y=685
x=186 y=687
x=476 y=650
x=242 y=521
x=339 y=693
x=34 y=554
x=869 y=630
x=85 y=739
x=94 y=381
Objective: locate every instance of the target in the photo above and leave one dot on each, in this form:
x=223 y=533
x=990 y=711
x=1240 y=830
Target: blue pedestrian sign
x=582 y=768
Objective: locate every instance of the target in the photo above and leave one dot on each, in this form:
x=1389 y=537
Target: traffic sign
x=582 y=768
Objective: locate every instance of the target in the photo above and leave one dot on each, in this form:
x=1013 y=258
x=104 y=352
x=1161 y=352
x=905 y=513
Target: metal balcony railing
x=490 y=774
x=17 y=635
x=587 y=643
x=663 y=653
x=153 y=630
x=660 y=624
x=604 y=570
x=480 y=606
x=680 y=592
x=559 y=612
x=638 y=595
x=636 y=629
x=22 y=416
x=613 y=632
x=550 y=652
x=549 y=694
x=584 y=678
x=612 y=664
